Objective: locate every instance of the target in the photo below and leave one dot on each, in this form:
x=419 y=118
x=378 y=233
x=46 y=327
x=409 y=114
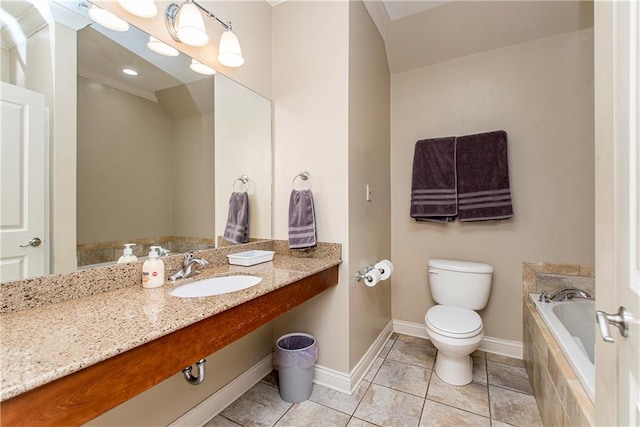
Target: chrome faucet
x=569 y=293
x=188 y=262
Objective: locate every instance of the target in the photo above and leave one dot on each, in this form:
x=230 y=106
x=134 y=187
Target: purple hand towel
x=237 y=230
x=433 y=186
x=302 y=220
x=483 y=177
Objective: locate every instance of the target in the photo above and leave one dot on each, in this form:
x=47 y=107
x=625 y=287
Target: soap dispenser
x=127 y=255
x=153 y=270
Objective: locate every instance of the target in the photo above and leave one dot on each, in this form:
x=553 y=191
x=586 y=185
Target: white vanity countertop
x=45 y=343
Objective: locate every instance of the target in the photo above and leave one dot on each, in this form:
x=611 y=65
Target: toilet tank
x=460 y=283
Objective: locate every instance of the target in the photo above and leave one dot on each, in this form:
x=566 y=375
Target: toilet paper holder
x=385 y=267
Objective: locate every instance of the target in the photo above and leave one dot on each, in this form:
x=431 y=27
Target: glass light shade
x=229 y=52
x=190 y=26
x=163 y=49
x=141 y=8
x=199 y=67
x=107 y=19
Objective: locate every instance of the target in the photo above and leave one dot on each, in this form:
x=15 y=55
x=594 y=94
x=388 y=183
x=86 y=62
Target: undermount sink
x=215 y=286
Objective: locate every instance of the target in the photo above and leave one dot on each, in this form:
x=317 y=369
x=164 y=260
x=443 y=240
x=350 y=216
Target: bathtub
x=572 y=324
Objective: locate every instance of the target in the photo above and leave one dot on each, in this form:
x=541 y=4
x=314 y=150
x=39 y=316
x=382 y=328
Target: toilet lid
x=454 y=322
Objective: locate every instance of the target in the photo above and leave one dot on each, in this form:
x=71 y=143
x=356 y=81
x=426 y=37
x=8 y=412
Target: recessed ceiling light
x=129 y=72
x=107 y=19
x=162 y=48
x=199 y=67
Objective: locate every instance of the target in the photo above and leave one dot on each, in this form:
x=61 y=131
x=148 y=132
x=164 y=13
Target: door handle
x=33 y=242
x=619 y=320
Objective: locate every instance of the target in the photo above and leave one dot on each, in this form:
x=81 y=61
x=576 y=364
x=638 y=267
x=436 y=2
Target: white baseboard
x=347 y=383
x=489 y=344
x=215 y=403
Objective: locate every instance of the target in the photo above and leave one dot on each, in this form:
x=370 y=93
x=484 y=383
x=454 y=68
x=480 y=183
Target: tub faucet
x=569 y=293
x=188 y=262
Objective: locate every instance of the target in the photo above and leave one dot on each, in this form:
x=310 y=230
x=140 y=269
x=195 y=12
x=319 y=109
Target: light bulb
x=163 y=49
x=141 y=8
x=229 y=52
x=107 y=19
x=190 y=26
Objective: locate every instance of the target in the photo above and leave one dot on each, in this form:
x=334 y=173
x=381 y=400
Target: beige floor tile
x=438 y=415
x=479 y=370
x=220 y=421
x=310 y=414
x=386 y=348
x=471 y=397
x=505 y=359
x=260 y=406
x=508 y=376
x=271 y=378
x=386 y=407
x=357 y=422
x=339 y=401
x=403 y=377
x=422 y=342
x=373 y=370
x=412 y=354
x=515 y=408
x=495 y=423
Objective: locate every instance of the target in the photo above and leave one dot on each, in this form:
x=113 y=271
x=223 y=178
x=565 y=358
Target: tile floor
x=399 y=390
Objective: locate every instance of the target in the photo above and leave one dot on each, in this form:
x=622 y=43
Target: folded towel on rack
x=237 y=230
x=433 y=186
x=483 y=177
x=302 y=220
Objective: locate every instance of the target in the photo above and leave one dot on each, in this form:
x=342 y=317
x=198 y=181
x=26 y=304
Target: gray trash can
x=295 y=356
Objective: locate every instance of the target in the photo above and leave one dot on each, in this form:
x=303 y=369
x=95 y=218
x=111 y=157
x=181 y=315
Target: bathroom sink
x=215 y=286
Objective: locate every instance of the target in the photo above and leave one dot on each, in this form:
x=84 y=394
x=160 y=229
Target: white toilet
x=455 y=329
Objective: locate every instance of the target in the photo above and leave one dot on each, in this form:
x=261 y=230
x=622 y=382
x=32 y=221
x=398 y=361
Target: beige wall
x=243 y=147
x=369 y=163
x=541 y=93
x=132 y=152
x=311 y=125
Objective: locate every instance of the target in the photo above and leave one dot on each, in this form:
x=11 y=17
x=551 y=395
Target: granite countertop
x=42 y=344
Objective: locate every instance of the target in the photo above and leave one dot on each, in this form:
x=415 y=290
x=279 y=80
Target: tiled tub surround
x=56 y=325
x=560 y=396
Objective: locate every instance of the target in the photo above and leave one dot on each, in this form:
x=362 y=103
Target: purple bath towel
x=302 y=220
x=433 y=186
x=483 y=177
x=237 y=230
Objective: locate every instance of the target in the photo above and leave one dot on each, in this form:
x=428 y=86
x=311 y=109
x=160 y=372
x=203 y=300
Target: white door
x=22 y=191
x=618 y=356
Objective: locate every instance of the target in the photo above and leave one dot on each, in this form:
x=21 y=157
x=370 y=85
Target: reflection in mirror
x=148 y=170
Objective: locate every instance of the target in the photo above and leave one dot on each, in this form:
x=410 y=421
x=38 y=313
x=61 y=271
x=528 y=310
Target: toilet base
x=454 y=370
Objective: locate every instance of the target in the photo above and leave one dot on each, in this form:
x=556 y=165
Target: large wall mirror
x=157 y=154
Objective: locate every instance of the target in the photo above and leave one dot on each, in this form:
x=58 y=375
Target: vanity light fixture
x=141 y=8
x=199 y=67
x=185 y=24
x=107 y=19
x=162 y=48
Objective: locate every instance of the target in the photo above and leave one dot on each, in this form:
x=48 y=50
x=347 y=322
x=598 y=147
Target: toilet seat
x=453 y=322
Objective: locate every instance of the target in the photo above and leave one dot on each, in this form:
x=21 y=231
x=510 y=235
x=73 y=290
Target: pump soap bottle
x=153 y=270
x=127 y=255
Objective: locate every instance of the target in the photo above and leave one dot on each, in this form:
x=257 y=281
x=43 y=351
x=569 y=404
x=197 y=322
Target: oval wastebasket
x=295 y=356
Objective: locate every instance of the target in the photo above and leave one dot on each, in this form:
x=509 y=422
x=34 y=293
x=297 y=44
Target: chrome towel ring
x=244 y=183
x=305 y=176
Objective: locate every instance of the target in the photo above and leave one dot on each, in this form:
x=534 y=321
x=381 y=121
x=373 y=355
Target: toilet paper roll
x=372 y=277
x=385 y=267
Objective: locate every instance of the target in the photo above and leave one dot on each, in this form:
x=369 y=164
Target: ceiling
x=423 y=32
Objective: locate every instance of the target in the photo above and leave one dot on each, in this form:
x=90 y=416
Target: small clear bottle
x=127 y=255
x=153 y=270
